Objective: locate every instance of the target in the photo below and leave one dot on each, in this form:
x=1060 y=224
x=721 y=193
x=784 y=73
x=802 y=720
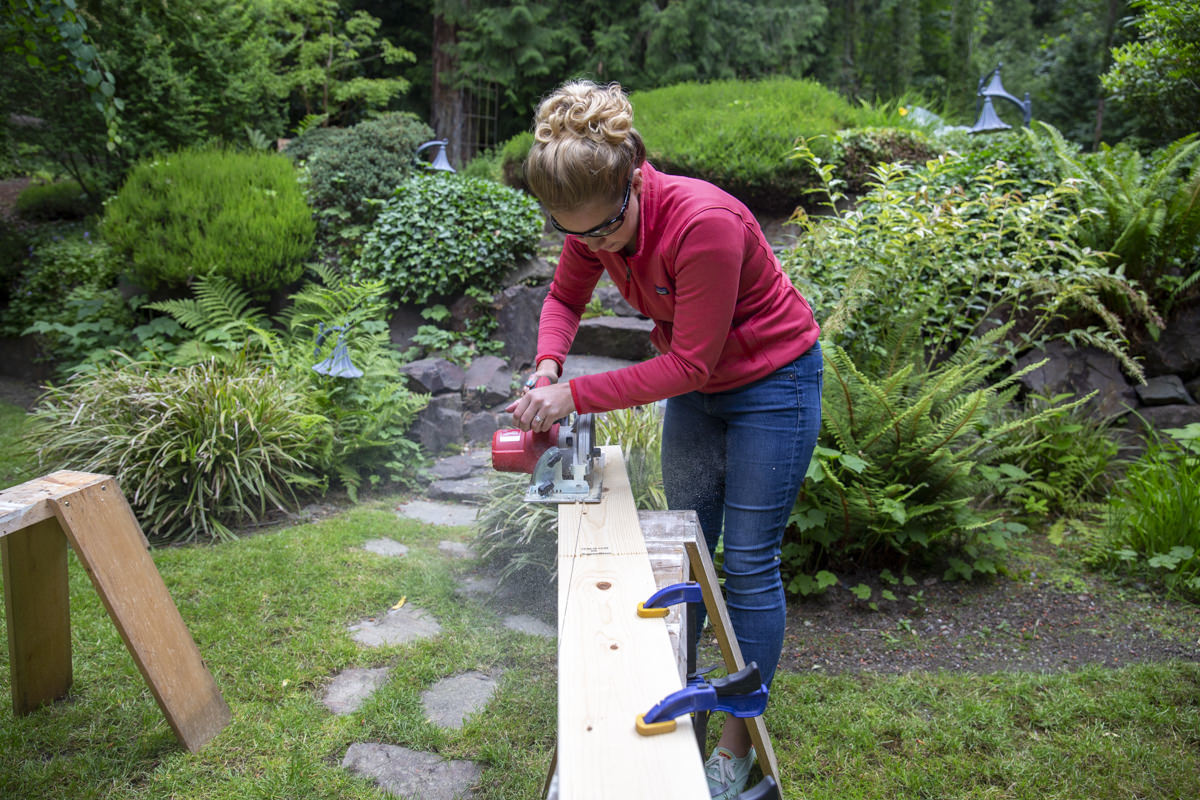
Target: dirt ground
x=1044 y=618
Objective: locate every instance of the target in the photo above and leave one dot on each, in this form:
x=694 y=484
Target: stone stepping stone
x=351 y=687
x=523 y=623
x=466 y=490
x=410 y=773
x=478 y=586
x=401 y=625
x=455 y=549
x=451 y=700
x=386 y=547
x=437 y=513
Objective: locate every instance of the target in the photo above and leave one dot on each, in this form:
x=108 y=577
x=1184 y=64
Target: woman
x=740 y=366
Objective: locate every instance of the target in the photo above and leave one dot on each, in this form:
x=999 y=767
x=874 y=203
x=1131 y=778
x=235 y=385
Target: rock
x=454 y=467
x=478 y=586
x=1164 y=390
x=532 y=271
x=1193 y=387
x=487 y=381
x=575 y=366
x=1079 y=372
x=455 y=549
x=397 y=626
x=440 y=424
x=410 y=773
x=616 y=337
x=1161 y=417
x=403 y=325
x=1177 y=350
x=438 y=513
x=433 y=376
x=518 y=309
x=478 y=426
x=523 y=623
x=467 y=490
x=611 y=300
x=386 y=547
x=451 y=700
x=352 y=687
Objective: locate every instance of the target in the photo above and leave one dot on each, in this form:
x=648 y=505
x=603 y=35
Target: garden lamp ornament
x=338 y=364
x=990 y=87
x=440 y=162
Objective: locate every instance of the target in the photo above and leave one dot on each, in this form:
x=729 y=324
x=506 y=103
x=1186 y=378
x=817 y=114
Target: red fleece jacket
x=724 y=311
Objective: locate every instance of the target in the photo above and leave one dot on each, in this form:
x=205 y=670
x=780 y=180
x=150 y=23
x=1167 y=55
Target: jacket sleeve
x=575 y=278
x=708 y=265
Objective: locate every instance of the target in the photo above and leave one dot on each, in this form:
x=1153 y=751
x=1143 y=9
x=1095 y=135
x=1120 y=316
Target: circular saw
x=565 y=464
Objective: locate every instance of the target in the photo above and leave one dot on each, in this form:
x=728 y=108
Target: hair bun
x=585 y=110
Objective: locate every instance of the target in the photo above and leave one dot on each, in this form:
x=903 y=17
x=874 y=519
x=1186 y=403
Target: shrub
x=441 y=234
x=1027 y=158
x=1151 y=526
x=241 y=215
x=347 y=168
x=87 y=324
x=14 y=249
x=196 y=449
x=59 y=261
x=858 y=150
x=739 y=134
x=58 y=200
x=512 y=160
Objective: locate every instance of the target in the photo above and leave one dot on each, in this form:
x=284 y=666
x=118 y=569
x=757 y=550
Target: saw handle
x=538 y=380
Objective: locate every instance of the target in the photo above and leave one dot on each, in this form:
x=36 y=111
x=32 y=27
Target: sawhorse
x=37 y=520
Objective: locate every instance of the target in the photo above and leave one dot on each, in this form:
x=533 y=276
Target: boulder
x=1164 y=390
x=616 y=337
x=1177 y=350
x=534 y=270
x=1160 y=417
x=478 y=426
x=518 y=309
x=433 y=376
x=1080 y=372
x=440 y=424
x=611 y=300
x=487 y=381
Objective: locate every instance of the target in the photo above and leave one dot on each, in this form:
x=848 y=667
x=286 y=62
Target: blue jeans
x=739 y=457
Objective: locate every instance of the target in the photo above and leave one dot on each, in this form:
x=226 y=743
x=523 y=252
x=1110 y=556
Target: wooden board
x=731 y=652
x=37 y=608
x=613 y=664
x=110 y=544
x=29 y=503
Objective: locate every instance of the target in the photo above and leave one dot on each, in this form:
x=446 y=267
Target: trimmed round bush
x=347 y=167
x=58 y=200
x=241 y=215
x=442 y=234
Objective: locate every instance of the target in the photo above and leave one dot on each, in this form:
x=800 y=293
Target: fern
x=222 y=318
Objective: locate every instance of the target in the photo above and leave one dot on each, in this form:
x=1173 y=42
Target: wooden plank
x=108 y=540
x=612 y=664
x=28 y=503
x=37 y=608
x=731 y=652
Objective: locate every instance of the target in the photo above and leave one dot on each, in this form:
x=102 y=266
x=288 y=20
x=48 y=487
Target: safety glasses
x=606 y=228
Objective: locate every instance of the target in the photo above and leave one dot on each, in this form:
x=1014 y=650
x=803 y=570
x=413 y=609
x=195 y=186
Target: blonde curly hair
x=585 y=147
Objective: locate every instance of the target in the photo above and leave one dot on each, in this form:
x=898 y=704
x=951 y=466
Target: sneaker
x=727 y=774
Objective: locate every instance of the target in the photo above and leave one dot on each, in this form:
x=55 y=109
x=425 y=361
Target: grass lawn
x=16 y=465
x=269 y=614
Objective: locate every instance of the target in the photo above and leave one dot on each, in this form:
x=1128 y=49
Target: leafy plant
x=900 y=469
x=1143 y=212
x=196 y=449
x=56 y=200
x=57 y=261
x=347 y=168
x=1151 y=526
x=440 y=235
x=88 y=323
x=241 y=215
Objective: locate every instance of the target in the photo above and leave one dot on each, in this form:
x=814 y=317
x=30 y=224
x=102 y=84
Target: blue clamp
x=659 y=602
x=741 y=694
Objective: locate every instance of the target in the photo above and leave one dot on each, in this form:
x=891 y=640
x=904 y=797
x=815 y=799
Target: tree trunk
x=451 y=113
x=1115 y=9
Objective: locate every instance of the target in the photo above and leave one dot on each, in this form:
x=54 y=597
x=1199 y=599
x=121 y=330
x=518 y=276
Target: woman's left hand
x=538 y=409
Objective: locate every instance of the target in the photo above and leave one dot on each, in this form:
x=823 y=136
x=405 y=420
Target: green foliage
x=58 y=200
x=87 y=324
x=1028 y=158
x=512 y=159
x=521 y=539
x=911 y=460
x=739 y=135
x=348 y=168
x=458 y=346
x=241 y=215
x=487 y=164
x=196 y=448
x=857 y=151
x=442 y=234
x=972 y=254
x=1151 y=527
x=328 y=51
x=59 y=260
x=14 y=249
x=1144 y=212
x=1158 y=76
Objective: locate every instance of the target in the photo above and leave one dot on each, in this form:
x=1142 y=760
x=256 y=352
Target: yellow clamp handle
x=651 y=613
x=653 y=728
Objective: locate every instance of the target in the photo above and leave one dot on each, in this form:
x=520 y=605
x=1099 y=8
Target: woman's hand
x=539 y=408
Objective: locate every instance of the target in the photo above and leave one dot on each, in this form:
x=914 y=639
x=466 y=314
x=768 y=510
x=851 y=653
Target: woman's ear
x=637 y=179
